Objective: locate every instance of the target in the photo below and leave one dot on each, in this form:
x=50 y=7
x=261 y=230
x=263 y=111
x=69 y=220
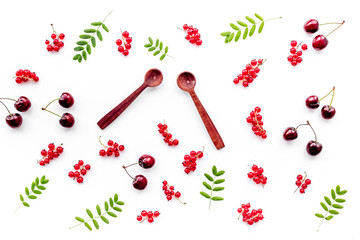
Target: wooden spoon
x=153 y=78
x=186 y=81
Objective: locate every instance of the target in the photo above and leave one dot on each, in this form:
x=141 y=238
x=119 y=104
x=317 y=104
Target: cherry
x=312 y=102
x=146 y=161
x=67 y=120
x=14 y=120
x=328 y=111
x=313 y=147
x=22 y=104
x=311 y=26
x=139 y=182
x=320 y=41
x=290 y=134
x=66 y=100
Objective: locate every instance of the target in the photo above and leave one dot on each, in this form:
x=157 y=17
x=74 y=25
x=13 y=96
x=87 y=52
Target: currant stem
x=6 y=108
x=180 y=29
x=50 y=103
x=53 y=29
x=312 y=130
x=8 y=99
x=298 y=45
x=127 y=172
x=180 y=201
x=101 y=142
x=51 y=112
x=333 y=89
x=264 y=60
x=336 y=28
x=332 y=97
x=305 y=176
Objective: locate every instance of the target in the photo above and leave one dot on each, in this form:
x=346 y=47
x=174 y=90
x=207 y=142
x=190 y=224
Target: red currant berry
x=156 y=213
x=260 y=61
x=110 y=142
x=71 y=174
x=127 y=45
x=198 y=42
x=293 y=43
x=56 y=48
x=298 y=183
x=125 y=34
x=143 y=213
x=59 y=149
x=121 y=147
x=139 y=218
x=49 y=48
x=43 y=152
x=128 y=40
x=299 y=177
x=83 y=172
x=253 y=62
x=121 y=49
x=302 y=190
x=76 y=167
x=177 y=194
x=168 y=197
x=118 y=42
x=61 y=36
x=102 y=152
x=304 y=47
x=150 y=219
x=126 y=52
x=53 y=36
x=47 y=42
x=80 y=180
x=81 y=162
x=292 y=50
x=185 y=26
x=307 y=181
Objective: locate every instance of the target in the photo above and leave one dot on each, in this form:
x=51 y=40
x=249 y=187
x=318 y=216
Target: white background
x=107 y=78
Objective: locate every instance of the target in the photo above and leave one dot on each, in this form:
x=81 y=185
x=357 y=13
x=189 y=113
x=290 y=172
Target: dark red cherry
x=320 y=42
x=290 y=134
x=312 y=102
x=328 y=112
x=66 y=100
x=14 y=120
x=311 y=26
x=67 y=120
x=313 y=148
x=139 y=182
x=146 y=161
x=22 y=104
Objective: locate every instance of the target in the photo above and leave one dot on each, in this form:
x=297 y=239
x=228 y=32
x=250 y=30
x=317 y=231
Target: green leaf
x=156 y=53
x=216 y=189
x=89 y=213
x=340 y=200
x=259 y=17
x=219 y=181
x=224 y=34
x=96 y=23
x=33 y=186
x=117 y=209
x=231 y=37
x=32 y=197
x=319 y=215
x=76 y=56
x=120 y=203
x=219 y=173
x=208 y=177
x=85 y=36
x=88 y=49
x=207 y=185
x=81 y=43
x=93 y=41
x=104 y=219
x=157 y=43
x=217 y=198
x=151 y=49
x=80 y=219
x=42 y=179
x=324 y=206
x=329 y=217
x=245 y=33
x=111 y=202
x=252 y=30
x=98 y=33
x=45 y=181
x=242 y=23
x=162 y=56
x=333 y=195
x=214 y=170
x=98 y=209
x=227 y=39
x=166 y=49
x=89 y=30
x=37 y=181
x=84 y=55
x=41 y=187
x=105 y=27
x=342 y=192
x=106 y=205
x=250 y=19
x=237 y=36
x=88 y=226
x=334 y=212
x=27 y=192
x=161 y=46
x=205 y=194
x=234 y=27
x=338 y=206
x=79 y=58
x=116 y=197
x=26 y=204
x=112 y=214
x=78 y=48
x=96 y=224
x=261 y=27
x=148 y=45
x=21 y=198
x=337 y=189
x=150 y=40
x=327 y=200
x=36 y=191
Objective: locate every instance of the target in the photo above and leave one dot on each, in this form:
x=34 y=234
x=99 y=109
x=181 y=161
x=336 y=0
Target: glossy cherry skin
x=14 y=120
x=66 y=100
x=313 y=148
x=312 y=102
x=328 y=112
x=290 y=134
x=139 y=182
x=311 y=26
x=320 y=42
x=146 y=161
x=22 y=104
x=67 y=120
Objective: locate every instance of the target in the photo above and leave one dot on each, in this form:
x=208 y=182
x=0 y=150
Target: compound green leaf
x=117 y=209
x=104 y=219
x=88 y=49
x=214 y=170
x=324 y=206
x=338 y=206
x=327 y=200
x=162 y=56
x=217 y=198
x=96 y=23
x=88 y=226
x=210 y=178
x=242 y=23
x=333 y=195
x=80 y=219
x=219 y=181
x=218 y=189
x=207 y=185
x=340 y=200
x=329 y=217
x=82 y=43
x=112 y=214
x=234 y=27
x=105 y=27
x=93 y=41
x=90 y=30
x=156 y=53
x=98 y=209
x=84 y=55
x=219 y=173
x=99 y=35
x=319 y=215
x=261 y=27
x=96 y=224
x=259 y=17
x=250 y=19
x=205 y=194
x=333 y=212
x=85 y=36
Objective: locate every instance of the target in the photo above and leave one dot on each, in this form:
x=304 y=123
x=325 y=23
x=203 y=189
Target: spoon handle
x=113 y=114
x=210 y=127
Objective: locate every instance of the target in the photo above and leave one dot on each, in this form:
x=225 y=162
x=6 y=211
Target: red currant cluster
x=257 y=125
x=111 y=149
x=249 y=73
x=147 y=215
x=163 y=129
x=169 y=192
x=192 y=34
x=50 y=154
x=80 y=170
x=257 y=175
x=250 y=217
x=295 y=57
x=57 y=44
x=190 y=160
x=126 y=40
x=25 y=75
x=302 y=183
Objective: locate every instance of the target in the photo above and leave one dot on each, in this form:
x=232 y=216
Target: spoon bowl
x=153 y=78
x=186 y=81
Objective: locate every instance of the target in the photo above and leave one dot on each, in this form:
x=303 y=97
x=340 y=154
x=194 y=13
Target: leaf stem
x=212 y=186
x=336 y=28
x=325 y=215
x=6 y=108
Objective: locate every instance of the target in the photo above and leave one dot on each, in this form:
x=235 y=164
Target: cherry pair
x=257 y=175
x=25 y=75
x=295 y=57
x=66 y=100
x=302 y=182
x=22 y=104
x=140 y=181
x=257 y=124
x=50 y=154
x=327 y=111
x=249 y=73
x=192 y=34
x=313 y=147
x=250 y=217
x=190 y=161
x=149 y=215
x=57 y=44
x=112 y=148
x=169 y=191
x=124 y=45
x=163 y=130
x=80 y=171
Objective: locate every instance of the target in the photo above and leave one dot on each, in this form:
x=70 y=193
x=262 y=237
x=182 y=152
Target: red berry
x=185 y=26
x=102 y=152
x=61 y=36
x=76 y=174
x=150 y=219
x=126 y=52
x=260 y=61
x=121 y=49
x=76 y=167
x=177 y=194
x=79 y=179
x=293 y=43
x=168 y=197
x=121 y=147
x=253 y=62
x=71 y=174
x=139 y=218
x=43 y=152
x=47 y=42
x=302 y=190
x=298 y=183
x=304 y=186
x=56 y=48
x=156 y=213
x=307 y=181
x=128 y=40
x=304 y=47
x=53 y=36
x=125 y=34
x=49 y=48
x=198 y=42
x=176 y=142
x=83 y=171
x=292 y=50
x=110 y=142
x=59 y=149
x=81 y=162
x=299 y=177
x=143 y=213
x=118 y=42
x=127 y=45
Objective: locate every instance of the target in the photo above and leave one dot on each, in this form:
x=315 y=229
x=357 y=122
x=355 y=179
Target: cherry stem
x=312 y=130
x=336 y=28
x=50 y=103
x=303 y=124
x=305 y=176
x=332 y=97
x=101 y=142
x=131 y=165
x=127 y=172
x=330 y=23
x=8 y=99
x=51 y=112
x=333 y=89
x=6 y=108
